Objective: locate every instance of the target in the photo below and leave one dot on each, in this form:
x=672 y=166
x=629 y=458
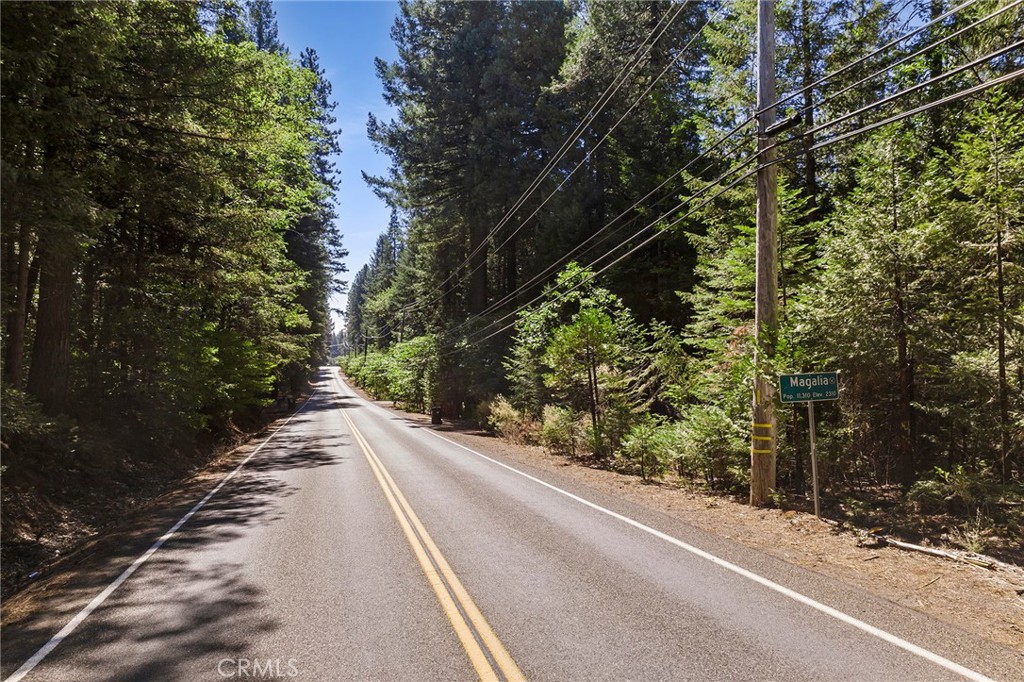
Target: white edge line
x=770 y=584
x=45 y=650
x=796 y=596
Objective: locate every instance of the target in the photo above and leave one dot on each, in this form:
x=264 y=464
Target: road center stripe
x=770 y=584
x=474 y=632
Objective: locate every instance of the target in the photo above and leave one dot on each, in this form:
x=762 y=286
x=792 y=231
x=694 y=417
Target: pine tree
x=262 y=22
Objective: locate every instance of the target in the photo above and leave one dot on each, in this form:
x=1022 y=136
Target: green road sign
x=802 y=388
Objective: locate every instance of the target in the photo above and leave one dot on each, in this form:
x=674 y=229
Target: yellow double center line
x=489 y=657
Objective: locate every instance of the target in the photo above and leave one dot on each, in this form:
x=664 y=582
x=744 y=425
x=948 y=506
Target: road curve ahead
x=355 y=544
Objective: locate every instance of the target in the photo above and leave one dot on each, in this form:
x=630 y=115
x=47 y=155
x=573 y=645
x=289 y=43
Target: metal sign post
x=810 y=388
x=814 y=458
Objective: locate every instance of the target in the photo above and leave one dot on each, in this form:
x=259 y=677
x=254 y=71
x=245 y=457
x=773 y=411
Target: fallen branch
x=982 y=562
x=915 y=548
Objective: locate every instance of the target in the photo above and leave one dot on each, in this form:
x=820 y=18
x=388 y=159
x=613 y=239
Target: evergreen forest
x=571 y=256
x=570 y=260
x=168 y=244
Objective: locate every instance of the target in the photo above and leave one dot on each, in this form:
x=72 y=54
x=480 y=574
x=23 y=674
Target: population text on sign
x=802 y=388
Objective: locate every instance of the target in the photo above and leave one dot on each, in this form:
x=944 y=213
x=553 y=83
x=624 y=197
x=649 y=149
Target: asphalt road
x=359 y=545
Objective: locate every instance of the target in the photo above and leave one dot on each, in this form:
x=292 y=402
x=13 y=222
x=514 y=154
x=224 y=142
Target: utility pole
x=763 y=442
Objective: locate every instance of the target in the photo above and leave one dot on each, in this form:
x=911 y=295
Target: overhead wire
x=860 y=60
x=817 y=83
x=599 y=105
x=628 y=111
x=708 y=187
x=589 y=117
x=576 y=250
x=811 y=131
x=991 y=83
x=820 y=145
x=592 y=275
x=931 y=81
x=600 y=142
x=910 y=57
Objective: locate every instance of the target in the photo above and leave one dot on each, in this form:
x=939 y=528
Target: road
x=355 y=544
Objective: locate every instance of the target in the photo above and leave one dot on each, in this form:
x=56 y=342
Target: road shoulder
x=983 y=602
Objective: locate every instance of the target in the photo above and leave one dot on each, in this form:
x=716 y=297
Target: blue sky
x=347 y=35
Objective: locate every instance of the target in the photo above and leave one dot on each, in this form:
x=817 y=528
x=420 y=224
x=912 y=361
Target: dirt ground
x=988 y=602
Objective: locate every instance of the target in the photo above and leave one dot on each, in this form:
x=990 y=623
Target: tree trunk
x=1004 y=392
x=17 y=318
x=50 y=372
x=906 y=469
x=592 y=386
x=86 y=340
x=810 y=163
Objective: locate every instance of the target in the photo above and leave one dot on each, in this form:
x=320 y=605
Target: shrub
x=30 y=435
x=510 y=423
x=480 y=414
x=708 y=444
x=562 y=431
x=956 y=491
x=648 y=446
x=405 y=373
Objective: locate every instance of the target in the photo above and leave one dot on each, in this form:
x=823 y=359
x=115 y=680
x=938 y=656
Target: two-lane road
x=358 y=545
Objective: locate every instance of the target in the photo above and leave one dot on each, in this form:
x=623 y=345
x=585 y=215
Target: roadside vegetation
x=900 y=248
x=168 y=249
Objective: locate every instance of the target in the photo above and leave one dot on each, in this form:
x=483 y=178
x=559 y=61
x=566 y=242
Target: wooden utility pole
x=763 y=442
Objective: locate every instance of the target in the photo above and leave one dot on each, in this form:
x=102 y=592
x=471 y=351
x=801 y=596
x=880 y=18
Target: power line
x=864 y=58
x=598 y=144
x=587 y=119
x=912 y=56
x=745 y=162
x=561 y=260
x=825 y=143
x=817 y=83
x=601 y=102
x=923 y=108
x=637 y=101
x=924 y=84
x=833 y=140
x=633 y=250
x=823 y=126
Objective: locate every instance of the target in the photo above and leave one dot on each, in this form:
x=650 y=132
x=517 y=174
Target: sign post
x=810 y=388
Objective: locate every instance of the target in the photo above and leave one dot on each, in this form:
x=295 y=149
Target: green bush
x=648 y=447
x=28 y=431
x=405 y=373
x=479 y=413
x=562 y=431
x=708 y=444
x=957 y=491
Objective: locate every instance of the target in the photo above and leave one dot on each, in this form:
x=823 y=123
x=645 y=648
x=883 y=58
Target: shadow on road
x=204 y=609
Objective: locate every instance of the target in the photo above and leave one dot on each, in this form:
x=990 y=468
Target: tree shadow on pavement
x=189 y=602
